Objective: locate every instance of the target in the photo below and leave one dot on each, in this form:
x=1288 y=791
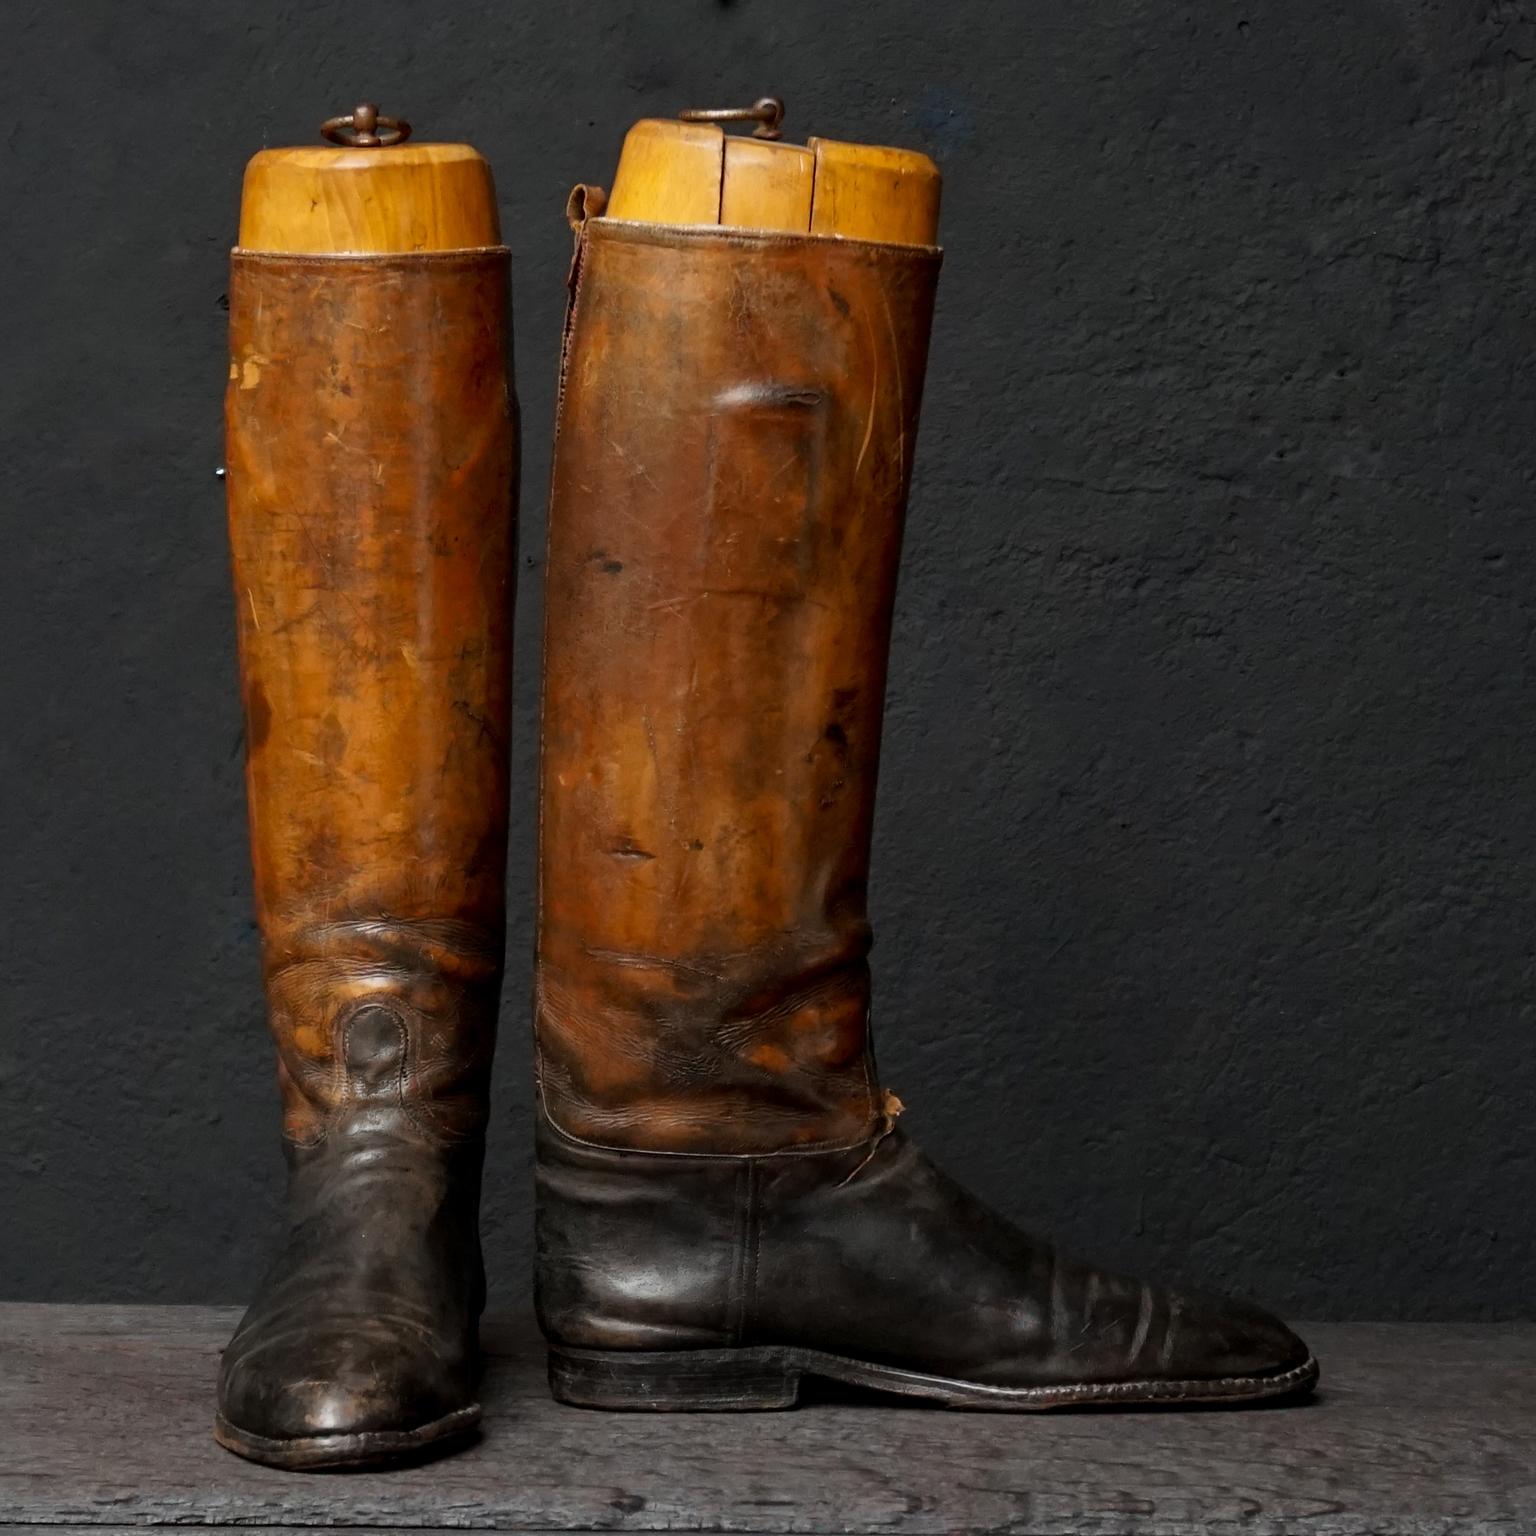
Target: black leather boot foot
x=361 y=1348
x=309 y=1390
x=698 y=1282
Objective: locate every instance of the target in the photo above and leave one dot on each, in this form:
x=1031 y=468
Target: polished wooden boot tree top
x=369 y=191
x=689 y=171
x=370 y=480
x=726 y=1202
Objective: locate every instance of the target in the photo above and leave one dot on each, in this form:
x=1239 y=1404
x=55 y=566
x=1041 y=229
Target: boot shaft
x=737 y=416
x=371 y=483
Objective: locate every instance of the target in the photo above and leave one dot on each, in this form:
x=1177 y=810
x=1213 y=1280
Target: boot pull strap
x=890 y=1112
x=585 y=202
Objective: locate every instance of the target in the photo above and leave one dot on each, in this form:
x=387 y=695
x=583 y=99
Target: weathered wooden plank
x=1420 y=1431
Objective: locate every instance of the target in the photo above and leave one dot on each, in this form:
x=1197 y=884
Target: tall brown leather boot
x=370 y=474
x=725 y=1203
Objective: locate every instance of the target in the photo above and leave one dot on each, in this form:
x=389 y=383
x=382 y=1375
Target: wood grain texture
x=409 y=197
x=767 y=186
x=1418 y=1431
x=693 y=173
x=867 y=192
x=669 y=173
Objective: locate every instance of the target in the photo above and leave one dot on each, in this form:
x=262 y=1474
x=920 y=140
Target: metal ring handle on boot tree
x=364 y=128
x=767 y=112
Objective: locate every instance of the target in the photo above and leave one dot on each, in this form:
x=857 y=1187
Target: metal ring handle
x=767 y=112
x=364 y=128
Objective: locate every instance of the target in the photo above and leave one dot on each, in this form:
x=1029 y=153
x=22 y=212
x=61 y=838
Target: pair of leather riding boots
x=725 y=1202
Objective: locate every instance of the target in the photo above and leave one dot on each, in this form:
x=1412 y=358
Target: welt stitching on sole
x=1139 y=1389
x=320 y=1451
x=951 y=1389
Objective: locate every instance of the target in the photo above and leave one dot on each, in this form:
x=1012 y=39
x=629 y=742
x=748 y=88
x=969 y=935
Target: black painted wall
x=1206 y=877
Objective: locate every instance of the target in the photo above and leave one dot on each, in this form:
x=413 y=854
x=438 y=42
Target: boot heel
x=674 y=1381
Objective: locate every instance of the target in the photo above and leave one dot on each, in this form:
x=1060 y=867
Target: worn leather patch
x=371 y=481
x=735 y=443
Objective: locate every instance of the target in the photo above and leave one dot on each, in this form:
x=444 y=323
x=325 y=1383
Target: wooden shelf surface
x=1418 y=1430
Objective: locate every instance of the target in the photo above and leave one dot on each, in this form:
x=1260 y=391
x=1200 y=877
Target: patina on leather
x=736 y=427
x=716 y=1282
x=725 y=1204
x=371 y=485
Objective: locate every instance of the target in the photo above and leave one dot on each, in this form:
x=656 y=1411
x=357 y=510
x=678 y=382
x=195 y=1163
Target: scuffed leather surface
x=367 y=1319
x=370 y=476
x=870 y=1253
x=735 y=442
x=371 y=483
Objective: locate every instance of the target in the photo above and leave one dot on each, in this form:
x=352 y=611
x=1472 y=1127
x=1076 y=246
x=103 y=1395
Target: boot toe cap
x=338 y=1379
x=1214 y=1338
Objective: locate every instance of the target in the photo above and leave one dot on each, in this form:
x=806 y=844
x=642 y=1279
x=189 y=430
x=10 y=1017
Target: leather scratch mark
x=874 y=393
x=901 y=402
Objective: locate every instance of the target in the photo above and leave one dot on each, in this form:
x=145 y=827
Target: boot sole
x=368 y=1448
x=765 y=1378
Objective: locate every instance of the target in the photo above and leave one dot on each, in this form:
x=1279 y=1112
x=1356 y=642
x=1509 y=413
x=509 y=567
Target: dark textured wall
x=1206 y=877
